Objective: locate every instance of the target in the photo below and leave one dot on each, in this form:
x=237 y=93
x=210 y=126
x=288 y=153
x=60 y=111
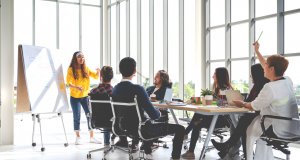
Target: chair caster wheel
x=88 y=156
x=66 y=144
x=42 y=149
x=33 y=144
x=165 y=146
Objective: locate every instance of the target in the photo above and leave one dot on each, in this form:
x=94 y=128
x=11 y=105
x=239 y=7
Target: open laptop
x=233 y=95
x=168 y=98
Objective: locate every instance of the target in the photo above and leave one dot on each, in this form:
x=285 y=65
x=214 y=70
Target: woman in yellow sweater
x=78 y=80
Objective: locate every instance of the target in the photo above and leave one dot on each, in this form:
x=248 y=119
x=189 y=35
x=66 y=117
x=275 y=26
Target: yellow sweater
x=80 y=82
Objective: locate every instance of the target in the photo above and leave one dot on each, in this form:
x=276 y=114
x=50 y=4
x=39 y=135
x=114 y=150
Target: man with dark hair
x=105 y=87
x=127 y=90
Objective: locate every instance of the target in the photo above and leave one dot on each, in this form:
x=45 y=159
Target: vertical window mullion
x=80 y=25
x=117 y=36
x=181 y=49
x=151 y=40
x=165 y=36
x=108 y=47
x=101 y=33
x=139 y=48
x=251 y=33
x=57 y=25
x=33 y=23
x=127 y=28
x=207 y=48
x=280 y=27
x=228 y=35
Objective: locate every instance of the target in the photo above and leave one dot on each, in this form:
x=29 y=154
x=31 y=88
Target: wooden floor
x=54 y=140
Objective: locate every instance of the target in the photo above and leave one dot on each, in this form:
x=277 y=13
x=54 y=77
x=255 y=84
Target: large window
x=160 y=26
x=217 y=43
x=240 y=75
x=190 y=71
x=231 y=36
x=291 y=33
x=145 y=46
x=158 y=35
x=240 y=44
x=60 y=25
x=45 y=28
x=173 y=45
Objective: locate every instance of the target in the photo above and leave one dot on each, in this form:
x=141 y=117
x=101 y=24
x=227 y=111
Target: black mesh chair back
x=276 y=142
x=101 y=111
x=125 y=117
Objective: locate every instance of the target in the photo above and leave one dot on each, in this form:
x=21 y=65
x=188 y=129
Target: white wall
x=6 y=72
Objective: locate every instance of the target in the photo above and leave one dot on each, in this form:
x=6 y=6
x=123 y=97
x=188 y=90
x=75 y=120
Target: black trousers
x=203 y=121
x=240 y=130
x=164 y=129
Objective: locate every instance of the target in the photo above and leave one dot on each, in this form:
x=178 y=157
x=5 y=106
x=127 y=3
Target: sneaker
x=106 y=145
x=134 y=147
x=149 y=157
x=222 y=147
x=78 y=141
x=94 y=140
x=186 y=137
x=121 y=144
x=188 y=155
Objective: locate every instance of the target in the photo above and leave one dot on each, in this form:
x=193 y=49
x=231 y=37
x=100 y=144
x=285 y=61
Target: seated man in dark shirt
x=129 y=90
x=105 y=87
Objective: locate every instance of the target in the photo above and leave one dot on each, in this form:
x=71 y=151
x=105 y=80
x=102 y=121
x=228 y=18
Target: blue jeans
x=106 y=136
x=75 y=104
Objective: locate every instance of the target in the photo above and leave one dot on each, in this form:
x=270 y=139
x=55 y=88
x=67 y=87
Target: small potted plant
x=207 y=96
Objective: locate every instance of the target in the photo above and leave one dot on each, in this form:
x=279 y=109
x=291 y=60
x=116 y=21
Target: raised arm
x=258 y=54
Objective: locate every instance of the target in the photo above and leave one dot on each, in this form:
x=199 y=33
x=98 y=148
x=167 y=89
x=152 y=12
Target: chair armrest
x=151 y=121
x=262 y=121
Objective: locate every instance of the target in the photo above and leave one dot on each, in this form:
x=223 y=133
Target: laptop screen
x=168 y=95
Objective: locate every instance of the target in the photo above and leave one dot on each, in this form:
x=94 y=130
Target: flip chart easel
x=40 y=85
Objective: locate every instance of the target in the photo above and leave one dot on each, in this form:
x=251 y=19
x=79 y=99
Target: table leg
x=174 y=116
x=210 y=131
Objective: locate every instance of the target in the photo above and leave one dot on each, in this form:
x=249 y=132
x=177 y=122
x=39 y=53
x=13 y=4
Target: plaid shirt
x=102 y=88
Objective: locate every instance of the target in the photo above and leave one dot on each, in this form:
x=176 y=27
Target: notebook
x=233 y=95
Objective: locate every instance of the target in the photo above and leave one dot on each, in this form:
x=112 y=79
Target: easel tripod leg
x=62 y=121
x=39 y=120
x=33 y=119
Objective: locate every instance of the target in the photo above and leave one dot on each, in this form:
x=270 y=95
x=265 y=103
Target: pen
x=259 y=36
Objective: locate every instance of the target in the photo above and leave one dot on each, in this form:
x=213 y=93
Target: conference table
x=213 y=110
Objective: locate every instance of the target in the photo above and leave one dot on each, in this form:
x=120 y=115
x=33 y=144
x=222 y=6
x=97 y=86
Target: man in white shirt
x=276 y=98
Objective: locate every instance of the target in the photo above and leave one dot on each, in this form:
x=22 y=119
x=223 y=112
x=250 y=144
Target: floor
x=54 y=139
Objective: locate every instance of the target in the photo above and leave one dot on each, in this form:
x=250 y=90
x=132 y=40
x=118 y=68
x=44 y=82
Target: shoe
x=121 y=144
x=222 y=154
x=94 y=140
x=78 y=141
x=186 y=137
x=174 y=158
x=149 y=157
x=222 y=147
x=106 y=145
x=188 y=155
x=134 y=147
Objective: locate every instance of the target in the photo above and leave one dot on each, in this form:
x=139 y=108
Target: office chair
x=101 y=115
x=277 y=143
x=127 y=121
